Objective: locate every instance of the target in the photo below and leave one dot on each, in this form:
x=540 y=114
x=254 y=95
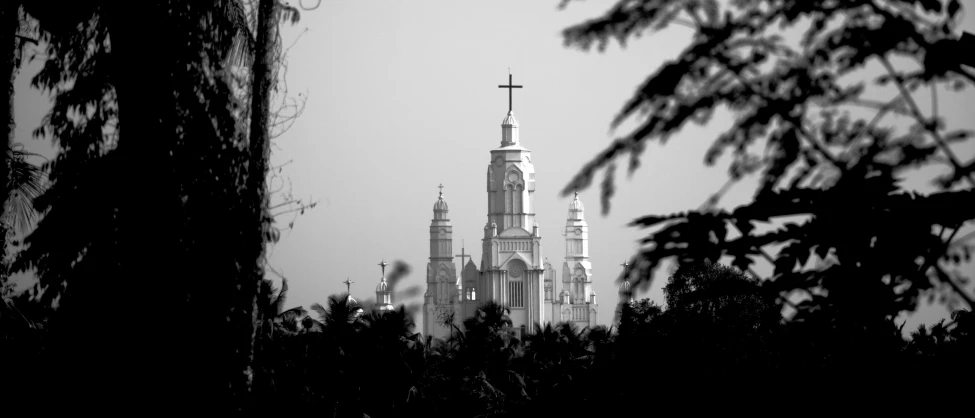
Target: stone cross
x=462 y=255
x=348 y=285
x=509 y=86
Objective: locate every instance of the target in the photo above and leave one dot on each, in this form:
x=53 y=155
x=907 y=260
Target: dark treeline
x=720 y=334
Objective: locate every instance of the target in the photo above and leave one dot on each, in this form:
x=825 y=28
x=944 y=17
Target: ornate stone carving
x=516 y=269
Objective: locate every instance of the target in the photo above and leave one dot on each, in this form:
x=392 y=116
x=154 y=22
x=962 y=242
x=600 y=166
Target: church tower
x=511 y=262
x=511 y=271
x=577 y=302
x=384 y=297
x=438 y=301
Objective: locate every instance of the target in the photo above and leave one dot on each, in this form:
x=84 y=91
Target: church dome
x=625 y=286
x=510 y=119
x=383 y=286
x=441 y=205
x=576 y=208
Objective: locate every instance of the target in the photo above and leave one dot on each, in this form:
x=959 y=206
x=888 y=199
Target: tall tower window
x=516 y=294
x=517 y=200
x=516 y=287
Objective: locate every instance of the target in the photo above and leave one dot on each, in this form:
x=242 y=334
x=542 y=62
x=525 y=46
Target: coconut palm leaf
x=292 y=314
x=244 y=44
x=320 y=310
x=24 y=184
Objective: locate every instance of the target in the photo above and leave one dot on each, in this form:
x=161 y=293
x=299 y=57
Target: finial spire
x=625 y=264
x=509 y=86
x=383 y=265
x=441 y=189
x=348 y=285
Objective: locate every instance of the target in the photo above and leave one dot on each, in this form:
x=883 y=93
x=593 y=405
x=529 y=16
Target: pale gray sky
x=402 y=96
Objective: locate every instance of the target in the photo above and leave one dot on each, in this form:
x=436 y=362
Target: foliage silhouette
x=134 y=211
x=864 y=249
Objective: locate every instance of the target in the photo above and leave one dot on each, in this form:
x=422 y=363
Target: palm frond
x=244 y=43
x=291 y=314
x=24 y=184
x=320 y=310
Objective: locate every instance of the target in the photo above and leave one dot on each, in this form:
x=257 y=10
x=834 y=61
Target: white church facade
x=512 y=270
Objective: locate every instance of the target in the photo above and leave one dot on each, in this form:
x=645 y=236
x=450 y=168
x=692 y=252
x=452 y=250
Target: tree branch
x=920 y=118
x=931 y=261
x=954 y=286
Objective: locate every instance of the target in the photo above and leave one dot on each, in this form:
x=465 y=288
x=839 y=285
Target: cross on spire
x=348 y=285
x=441 y=189
x=383 y=265
x=509 y=86
x=625 y=264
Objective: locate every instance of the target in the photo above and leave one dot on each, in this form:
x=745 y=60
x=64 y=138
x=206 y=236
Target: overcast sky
x=402 y=96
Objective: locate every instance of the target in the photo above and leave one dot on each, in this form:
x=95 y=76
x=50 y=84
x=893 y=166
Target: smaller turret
x=384 y=296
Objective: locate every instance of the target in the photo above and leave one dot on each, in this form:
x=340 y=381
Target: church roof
x=383 y=286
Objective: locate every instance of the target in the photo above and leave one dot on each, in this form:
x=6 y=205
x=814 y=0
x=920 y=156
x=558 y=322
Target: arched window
x=519 y=204
x=508 y=195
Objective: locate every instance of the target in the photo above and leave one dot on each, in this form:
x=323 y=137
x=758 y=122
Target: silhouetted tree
x=879 y=246
x=157 y=209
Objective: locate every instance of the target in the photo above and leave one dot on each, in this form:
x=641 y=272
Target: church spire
x=440 y=208
x=440 y=230
x=384 y=297
x=576 y=209
x=509 y=126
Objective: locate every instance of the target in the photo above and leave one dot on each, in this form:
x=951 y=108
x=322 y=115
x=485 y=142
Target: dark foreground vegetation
x=154 y=217
x=721 y=335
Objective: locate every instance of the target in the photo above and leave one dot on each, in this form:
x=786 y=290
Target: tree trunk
x=259 y=156
x=9 y=20
x=151 y=368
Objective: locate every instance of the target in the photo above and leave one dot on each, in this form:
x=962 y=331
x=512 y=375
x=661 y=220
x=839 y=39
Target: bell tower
x=438 y=301
x=578 y=303
x=511 y=262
